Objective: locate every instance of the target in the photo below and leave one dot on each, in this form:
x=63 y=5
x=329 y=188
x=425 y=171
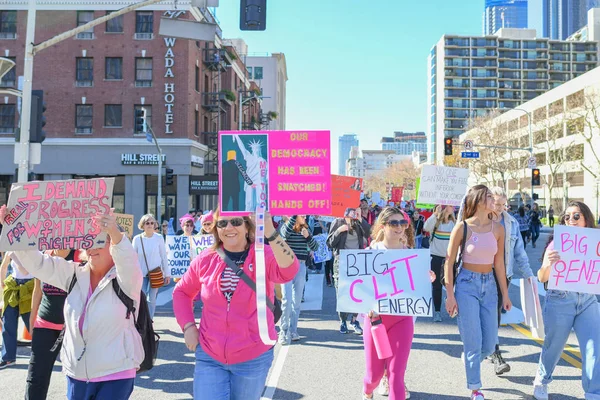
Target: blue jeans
x=563 y=311
x=150 y=296
x=10 y=320
x=120 y=389
x=217 y=381
x=291 y=301
x=477 y=299
x=418 y=241
x=535 y=232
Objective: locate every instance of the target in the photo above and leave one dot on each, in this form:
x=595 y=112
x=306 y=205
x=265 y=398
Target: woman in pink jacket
x=231 y=362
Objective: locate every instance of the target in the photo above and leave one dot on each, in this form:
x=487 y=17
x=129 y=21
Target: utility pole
x=159 y=183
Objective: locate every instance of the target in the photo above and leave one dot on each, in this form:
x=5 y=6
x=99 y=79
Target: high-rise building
x=558 y=19
x=504 y=14
x=345 y=144
x=373 y=162
x=468 y=76
x=405 y=143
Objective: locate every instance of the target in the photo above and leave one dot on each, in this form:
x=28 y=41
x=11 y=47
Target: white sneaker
x=364 y=397
x=284 y=339
x=540 y=391
x=406 y=392
x=295 y=337
x=477 y=396
x=384 y=387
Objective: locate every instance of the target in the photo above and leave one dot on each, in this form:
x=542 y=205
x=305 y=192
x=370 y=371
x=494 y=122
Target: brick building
x=92 y=84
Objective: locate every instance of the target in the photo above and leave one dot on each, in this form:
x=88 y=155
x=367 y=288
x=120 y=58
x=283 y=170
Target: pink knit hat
x=185 y=218
x=208 y=217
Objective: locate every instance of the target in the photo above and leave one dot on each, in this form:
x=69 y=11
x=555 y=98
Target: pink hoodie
x=228 y=334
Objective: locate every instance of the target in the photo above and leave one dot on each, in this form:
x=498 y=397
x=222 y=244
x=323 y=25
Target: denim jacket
x=515 y=257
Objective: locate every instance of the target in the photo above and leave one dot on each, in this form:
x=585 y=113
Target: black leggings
x=41 y=363
x=329 y=270
x=437 y=265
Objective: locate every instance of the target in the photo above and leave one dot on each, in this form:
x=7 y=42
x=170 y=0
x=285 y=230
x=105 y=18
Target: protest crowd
x=93 y=307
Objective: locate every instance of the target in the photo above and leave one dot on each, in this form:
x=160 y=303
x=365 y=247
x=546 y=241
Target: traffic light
x=253 y=15
x=448 y=146
x=169 y=176
x=37 y=120
x=535 y=177
x=141 y=125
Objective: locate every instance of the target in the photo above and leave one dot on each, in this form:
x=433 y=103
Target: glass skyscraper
x=504 y=14
x=558 y=19
x=345 y=143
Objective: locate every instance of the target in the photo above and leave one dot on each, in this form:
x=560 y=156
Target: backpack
x=143 y=324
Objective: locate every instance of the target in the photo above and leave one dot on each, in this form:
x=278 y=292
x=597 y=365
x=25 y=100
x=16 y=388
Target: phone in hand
x=454 y=313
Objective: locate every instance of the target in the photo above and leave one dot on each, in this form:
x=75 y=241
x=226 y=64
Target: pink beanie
x=207 y=217
x=186 y=217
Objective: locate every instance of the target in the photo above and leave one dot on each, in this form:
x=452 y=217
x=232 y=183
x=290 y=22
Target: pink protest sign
x=578 y=269
x=299 y=173
x=53 y=215
x=286 y=172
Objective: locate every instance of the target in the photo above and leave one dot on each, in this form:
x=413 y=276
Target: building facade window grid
x=148 y=109
x=83 y=118
x=84 y=71
x=114 y=68
x=8 y=24
x=7 y=118
x=113 y=116
x=144 y=21
x=258 y=72
x=143 y=71
x=114 y=25
x=83 y=17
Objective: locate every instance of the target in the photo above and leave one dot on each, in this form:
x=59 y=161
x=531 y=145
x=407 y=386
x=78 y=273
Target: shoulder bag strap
x=144 y=251
x=243 y=276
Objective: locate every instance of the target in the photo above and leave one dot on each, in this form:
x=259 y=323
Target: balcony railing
x=143 y=36
x=210 y=139
x=85 y=35
x=84 y=83
x=211 y=100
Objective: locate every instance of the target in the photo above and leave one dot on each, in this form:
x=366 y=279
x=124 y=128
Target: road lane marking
x=271 y=387
x=570 y=358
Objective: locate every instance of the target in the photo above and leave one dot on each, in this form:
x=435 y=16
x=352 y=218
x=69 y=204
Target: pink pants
x=400 y=332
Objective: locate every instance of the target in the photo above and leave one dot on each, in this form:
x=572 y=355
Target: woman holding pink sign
x=564 y=311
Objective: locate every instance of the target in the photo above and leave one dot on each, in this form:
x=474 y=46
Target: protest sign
x=442 y=185
x=56 y=214
x=323 y=253
x=178 y=255
x=397 y=194
x=286 y=172
x=345 y=192
x=417 y=203
x=578 y=269
x=199 y=243
x=389 y=282
x=126 y=222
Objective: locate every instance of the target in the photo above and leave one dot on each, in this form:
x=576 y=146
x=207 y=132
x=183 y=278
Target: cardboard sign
x=443 y=185
x=286 y=172
x=419 y=204
x=345 y=192
x=178 y=255
x=199 y=243
x=323 y=253
x=578 y=269
x=126 y=222
x=389 y=282
x=397 y=194
x=56 y=214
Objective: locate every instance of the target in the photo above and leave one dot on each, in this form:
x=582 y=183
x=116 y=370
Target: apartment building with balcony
x=94 y=82
x=405 y=143
x=372 y=162
x=471 y=75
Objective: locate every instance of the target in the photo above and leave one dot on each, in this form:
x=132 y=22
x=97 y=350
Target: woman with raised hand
x=232 y=362
x=565 y=311
x=439 y=225
x=475 y=297
x=296 y=234
x=152 y=254
x=102 y=349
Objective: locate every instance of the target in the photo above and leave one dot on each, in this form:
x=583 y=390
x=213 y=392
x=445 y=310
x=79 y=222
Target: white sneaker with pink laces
x=477 y=395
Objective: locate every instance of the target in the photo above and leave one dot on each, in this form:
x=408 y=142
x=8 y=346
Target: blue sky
x=356 y=66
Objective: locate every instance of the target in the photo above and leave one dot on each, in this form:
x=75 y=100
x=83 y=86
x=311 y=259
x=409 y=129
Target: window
x=7 y=118
x=84 y=71
x=197 y=79
x=144 y=21
x=249 y=69
x=10 y=78
x=83 y=17
x=143 y=72
x=148 y=116
x=258 y=72
x=113 y=115
x=83 y=118
x=114 y=68
x=114 y=25
x=8 y=24
x=196 y=123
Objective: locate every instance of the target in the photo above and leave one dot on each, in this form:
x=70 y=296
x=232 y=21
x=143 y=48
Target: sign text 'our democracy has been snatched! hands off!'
x=56 y=214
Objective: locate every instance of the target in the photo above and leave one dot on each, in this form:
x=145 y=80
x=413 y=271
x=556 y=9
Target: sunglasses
x=396 y=223
x=149 y=223
x=222 y=223
x=576 y=216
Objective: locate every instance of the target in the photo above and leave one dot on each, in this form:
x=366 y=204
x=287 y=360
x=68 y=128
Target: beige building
x=565 y=132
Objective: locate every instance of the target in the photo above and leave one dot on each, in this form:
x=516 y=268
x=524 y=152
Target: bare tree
x=398 y=174
x=583 y=120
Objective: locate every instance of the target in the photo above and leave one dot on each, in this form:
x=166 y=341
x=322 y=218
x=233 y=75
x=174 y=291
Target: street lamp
x=5 y=66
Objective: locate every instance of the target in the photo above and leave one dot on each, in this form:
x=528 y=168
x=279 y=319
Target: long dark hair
x=590 y=221
x=521 y=211
x=475 y=195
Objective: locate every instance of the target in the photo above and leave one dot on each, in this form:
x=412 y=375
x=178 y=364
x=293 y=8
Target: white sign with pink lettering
x=389 y=282
x=578 y=269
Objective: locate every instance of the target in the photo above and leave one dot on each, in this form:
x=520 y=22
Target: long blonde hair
x=443 y=217
x=383 y=218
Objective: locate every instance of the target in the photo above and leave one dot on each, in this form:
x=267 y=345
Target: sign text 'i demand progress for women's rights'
x=389 y=282
x=578 y=269
x=53 y=215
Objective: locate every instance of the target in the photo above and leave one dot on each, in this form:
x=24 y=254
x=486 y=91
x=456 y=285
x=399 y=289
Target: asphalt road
x=328 y=365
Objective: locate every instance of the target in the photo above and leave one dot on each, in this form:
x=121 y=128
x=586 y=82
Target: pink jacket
x=228 y=334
